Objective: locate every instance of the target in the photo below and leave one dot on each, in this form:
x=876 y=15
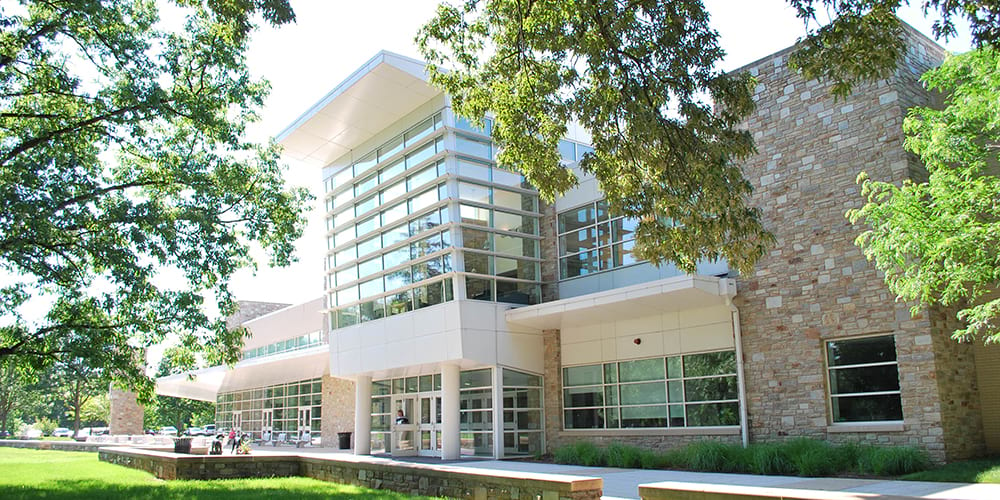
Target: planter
x=182 y=445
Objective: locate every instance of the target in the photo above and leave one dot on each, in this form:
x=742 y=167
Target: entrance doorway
x=417 y=430
x=238 y=420
x=429 y=425
x=305 y=423
x=266 y=424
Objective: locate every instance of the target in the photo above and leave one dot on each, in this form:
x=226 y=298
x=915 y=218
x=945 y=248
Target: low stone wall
x=414 y=479
x=50 y=445
x=168 y=465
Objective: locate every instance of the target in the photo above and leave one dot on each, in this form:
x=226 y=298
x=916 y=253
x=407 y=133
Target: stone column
x=338 y=409
x=126 y=414
x=552 y=405
x=451 y=444
x=363 y=415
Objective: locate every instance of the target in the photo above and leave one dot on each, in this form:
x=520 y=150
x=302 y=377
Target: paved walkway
x=624 y=483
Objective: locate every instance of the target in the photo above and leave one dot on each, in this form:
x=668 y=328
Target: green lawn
x=972 y=471
x=70 y=474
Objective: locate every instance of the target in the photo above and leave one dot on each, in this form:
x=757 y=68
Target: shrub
x=713 y=456
x=580 y=453
x=891 y=461
x=769 y=459
x=621 y=455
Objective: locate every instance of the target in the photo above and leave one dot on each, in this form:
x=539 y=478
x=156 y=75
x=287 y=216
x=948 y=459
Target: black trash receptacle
x=182 y=445
x=344 y=439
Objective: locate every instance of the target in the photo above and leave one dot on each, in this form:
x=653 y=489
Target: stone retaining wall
x=370 y=472
x=50 y=445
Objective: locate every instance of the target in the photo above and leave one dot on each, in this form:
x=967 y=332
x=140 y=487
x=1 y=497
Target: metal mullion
x=863 y=365
x=861 y=394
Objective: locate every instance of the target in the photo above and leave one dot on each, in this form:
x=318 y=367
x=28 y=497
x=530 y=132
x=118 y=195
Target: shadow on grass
x=297 y=488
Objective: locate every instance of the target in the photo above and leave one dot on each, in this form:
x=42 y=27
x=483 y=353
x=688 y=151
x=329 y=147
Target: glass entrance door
x=238 y=420
x=403 y=426
x=266 y=424
x=429 y=427
x=304 y=422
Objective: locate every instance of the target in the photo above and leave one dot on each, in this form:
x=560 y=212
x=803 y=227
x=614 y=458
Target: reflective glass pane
x=576 y=219
x=473 y=147
x=645 y=393
x=713 y=414
x=474 y=192
x=582 y=375
x=475 y=215
x=710 y=389
x=861 y=351
x=643 y=416
x=712 y=363
x=643 y=369
x=390 y=148
x=478 y=288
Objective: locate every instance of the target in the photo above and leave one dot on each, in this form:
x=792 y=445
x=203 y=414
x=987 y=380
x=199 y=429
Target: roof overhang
x=671 y=294
x=384 y=90
x=207 y=383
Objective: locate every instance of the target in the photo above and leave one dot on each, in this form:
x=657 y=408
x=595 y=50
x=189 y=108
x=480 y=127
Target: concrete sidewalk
x=624 y=483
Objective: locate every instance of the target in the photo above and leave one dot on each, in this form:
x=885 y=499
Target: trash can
x=182 y=445
x=344 y=439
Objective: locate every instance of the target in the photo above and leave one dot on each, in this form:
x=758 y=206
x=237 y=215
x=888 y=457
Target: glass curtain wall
x=522 y=413
x=387 y=238
x=590 y=240
x=284 y=402
x=476 y=412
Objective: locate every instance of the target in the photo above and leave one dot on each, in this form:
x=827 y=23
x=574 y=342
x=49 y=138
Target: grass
x=972 y=471
x=68 y=474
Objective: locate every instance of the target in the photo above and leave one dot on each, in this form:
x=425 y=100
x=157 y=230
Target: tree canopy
x=123 y=162
x=642 y=77
x=937 y=240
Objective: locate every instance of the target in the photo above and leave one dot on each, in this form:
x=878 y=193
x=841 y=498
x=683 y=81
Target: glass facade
x=522 y=413
x=288 y=345
x=590 y=240
x=395 y=218
x=692 y=390
x=280 y=405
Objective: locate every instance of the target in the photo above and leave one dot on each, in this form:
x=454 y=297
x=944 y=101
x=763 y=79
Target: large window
x=475 y=421
x=293 y=344
x=590 y=240
x=522 y=413
x=280 y=402
x=693 y=390
x=864 y=380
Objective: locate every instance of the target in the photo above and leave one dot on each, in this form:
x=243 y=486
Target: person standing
x=232 y=440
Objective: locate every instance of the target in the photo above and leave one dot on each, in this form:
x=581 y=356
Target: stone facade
x=338 y=409
x=815 y=285
x=126 y=414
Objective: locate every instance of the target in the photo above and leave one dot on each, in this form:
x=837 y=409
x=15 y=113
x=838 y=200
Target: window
x=591 y=241
x=694 y=390
x=864 y=380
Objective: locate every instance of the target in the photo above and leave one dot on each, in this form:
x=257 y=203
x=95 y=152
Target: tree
x=178 y=412
x=75 y=382
x=122 y=162
x=641 y=77
x=96 y=412
x=936 y=240
x=13 y=394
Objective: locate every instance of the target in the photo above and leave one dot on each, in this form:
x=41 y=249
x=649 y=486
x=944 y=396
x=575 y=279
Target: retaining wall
x=370 y=472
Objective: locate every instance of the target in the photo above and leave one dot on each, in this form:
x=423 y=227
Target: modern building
x=462 y=316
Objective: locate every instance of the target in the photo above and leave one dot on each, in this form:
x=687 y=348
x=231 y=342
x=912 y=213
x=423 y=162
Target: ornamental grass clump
x=891 y=461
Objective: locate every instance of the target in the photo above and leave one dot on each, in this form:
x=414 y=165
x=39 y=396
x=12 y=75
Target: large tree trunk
x=76 y=409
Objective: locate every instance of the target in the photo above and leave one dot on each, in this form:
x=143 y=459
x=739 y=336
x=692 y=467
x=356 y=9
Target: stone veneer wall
x=412 y=479
x=815 y=285
x=552 y=390
x=338 y=409
x=126 y=414
x=549 y=232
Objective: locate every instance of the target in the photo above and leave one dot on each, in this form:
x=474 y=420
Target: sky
x=332 y=38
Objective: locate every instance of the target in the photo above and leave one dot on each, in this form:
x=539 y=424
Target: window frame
x=829 y=370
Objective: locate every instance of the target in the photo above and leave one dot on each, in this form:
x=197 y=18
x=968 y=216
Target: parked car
x=209 y=430
x=62 y=432
x=33 y=433
x=194 y=431
x=100 y=431
x=168 y=431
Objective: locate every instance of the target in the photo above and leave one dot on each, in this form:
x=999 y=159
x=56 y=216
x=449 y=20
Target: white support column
x=363 y=415
x=498 y=412
x=451 y=444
